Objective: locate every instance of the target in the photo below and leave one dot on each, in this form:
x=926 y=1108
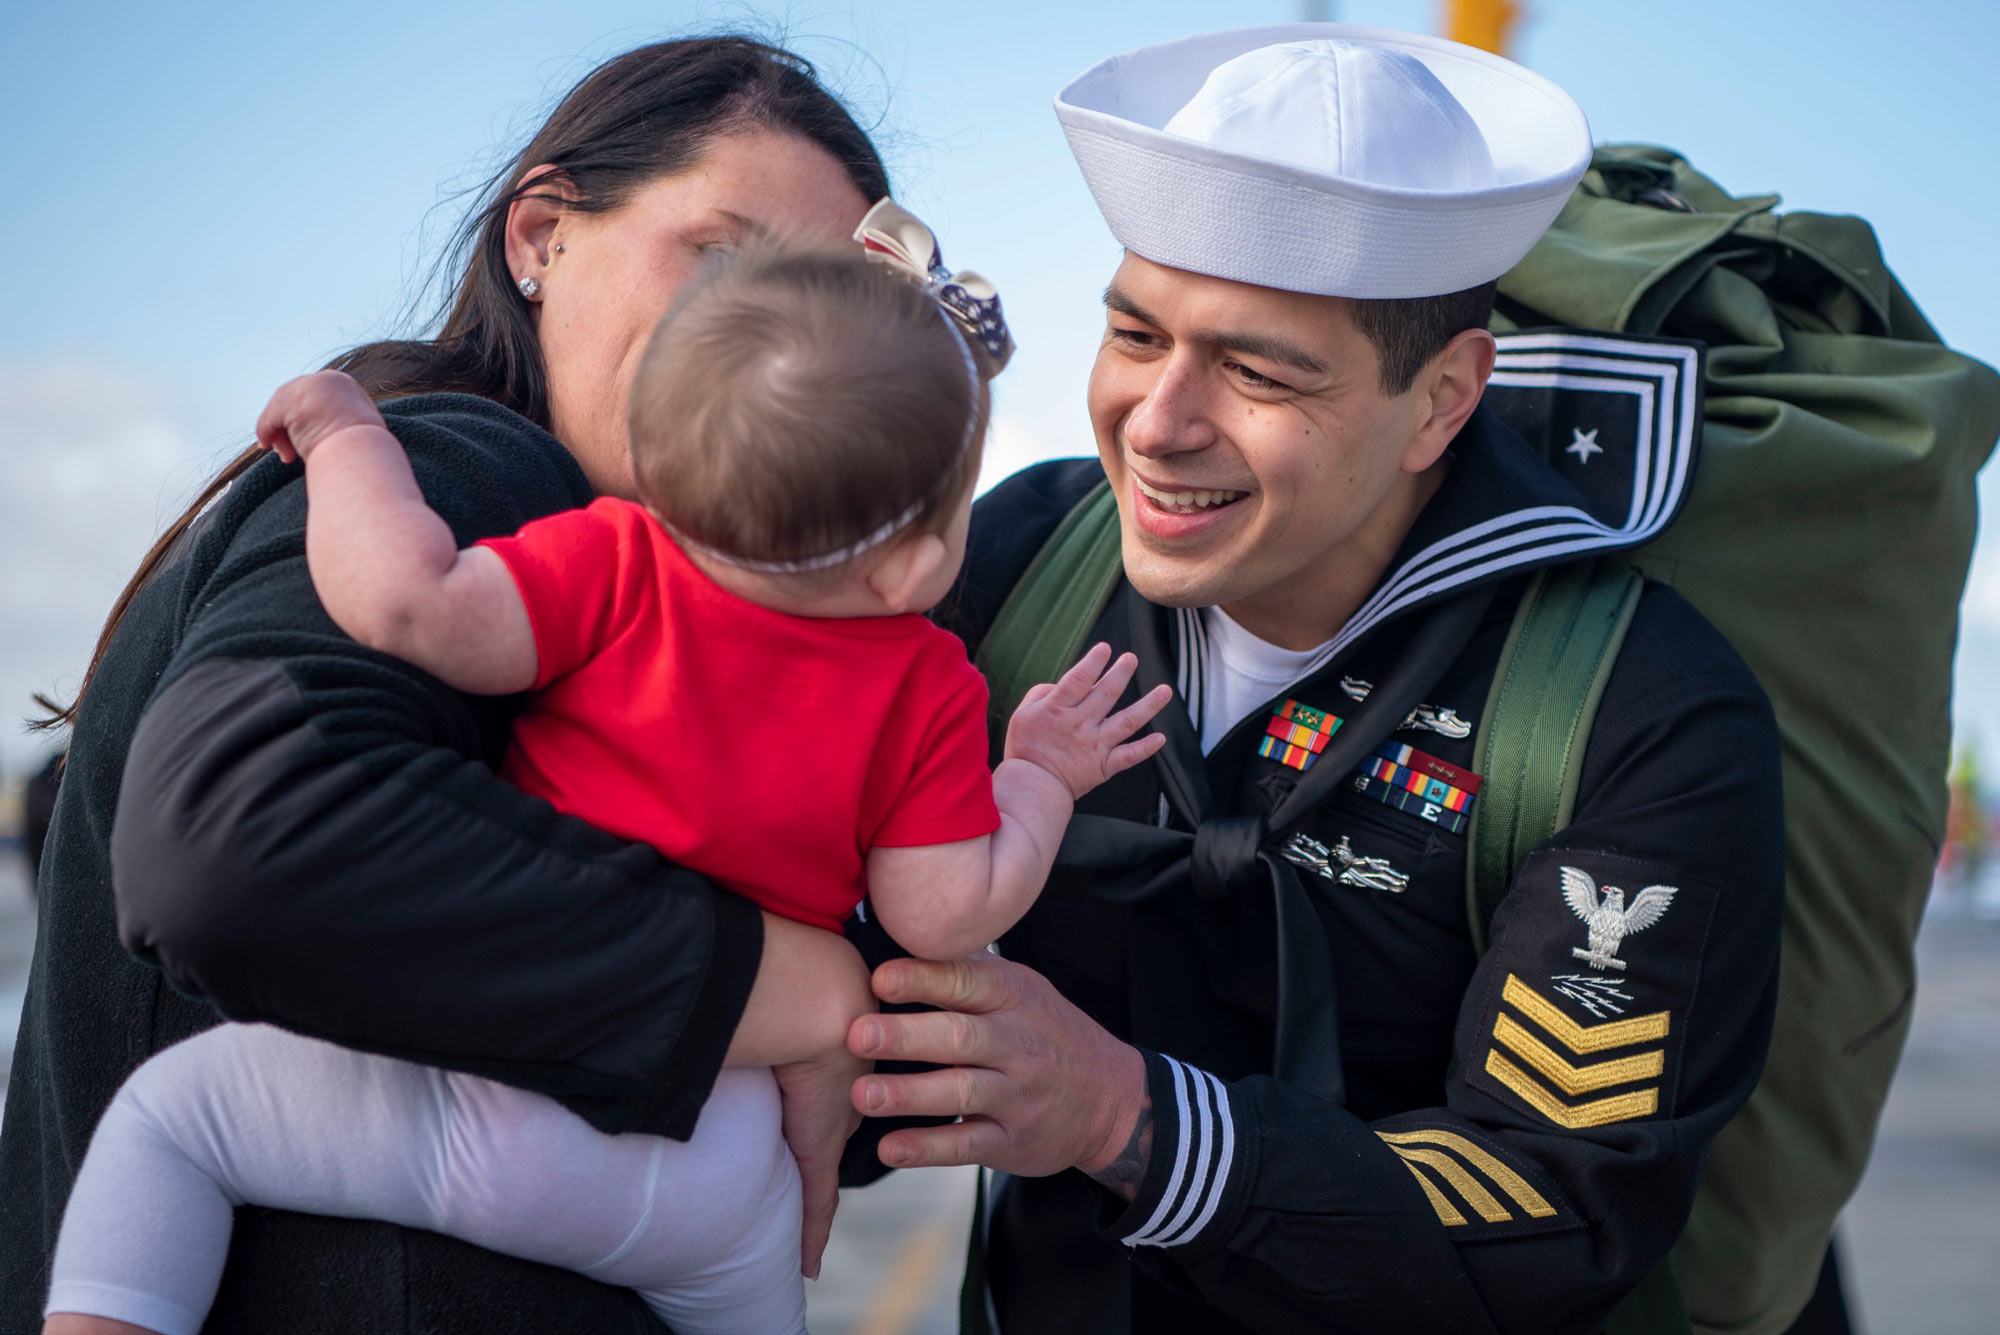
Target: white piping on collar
x=1191 y=673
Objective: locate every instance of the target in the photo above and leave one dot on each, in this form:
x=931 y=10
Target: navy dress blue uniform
x=1521 y=1131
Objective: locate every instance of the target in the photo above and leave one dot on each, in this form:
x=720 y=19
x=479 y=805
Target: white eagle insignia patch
x=1610 y=920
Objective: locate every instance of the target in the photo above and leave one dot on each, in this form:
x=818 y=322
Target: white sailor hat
x=1326 y=158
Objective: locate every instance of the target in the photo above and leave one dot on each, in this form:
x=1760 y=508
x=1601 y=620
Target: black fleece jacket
x=283 y=826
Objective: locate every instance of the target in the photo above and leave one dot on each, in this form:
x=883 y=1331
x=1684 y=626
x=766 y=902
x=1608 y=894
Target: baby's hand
x=1062 y=727
x=307 y=410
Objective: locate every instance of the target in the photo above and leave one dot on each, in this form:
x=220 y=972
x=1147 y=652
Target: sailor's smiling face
x=1258 y=463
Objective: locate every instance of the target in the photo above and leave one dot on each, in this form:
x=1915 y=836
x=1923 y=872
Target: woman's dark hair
x=643 y=115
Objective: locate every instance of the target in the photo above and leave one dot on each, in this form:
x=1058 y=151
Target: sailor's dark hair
x=1407 y=332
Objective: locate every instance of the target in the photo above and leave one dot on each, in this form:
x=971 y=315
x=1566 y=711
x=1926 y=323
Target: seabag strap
x=1041 y=627
x=1546 y=689
x=1532 y=735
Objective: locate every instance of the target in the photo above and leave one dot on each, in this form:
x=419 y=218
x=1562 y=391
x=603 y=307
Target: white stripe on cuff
x=1224 y=1157
x=1175 y=1179
x=1195 y=1186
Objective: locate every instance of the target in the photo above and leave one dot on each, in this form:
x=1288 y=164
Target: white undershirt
x=1237 y=673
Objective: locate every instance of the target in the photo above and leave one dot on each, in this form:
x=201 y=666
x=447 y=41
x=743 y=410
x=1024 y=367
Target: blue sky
x=206 y=199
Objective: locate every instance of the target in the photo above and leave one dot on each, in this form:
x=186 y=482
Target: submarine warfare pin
x=1369 y=873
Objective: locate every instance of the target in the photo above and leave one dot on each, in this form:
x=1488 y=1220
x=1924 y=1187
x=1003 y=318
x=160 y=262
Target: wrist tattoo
x=1124 y=1173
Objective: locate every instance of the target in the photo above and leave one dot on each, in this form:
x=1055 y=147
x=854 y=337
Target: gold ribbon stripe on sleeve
x=1509 y=1181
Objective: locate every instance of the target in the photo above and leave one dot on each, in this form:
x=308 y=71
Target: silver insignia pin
x=1341 y=863
x=1443 y=721
x=1424 y=718
x=1609 y=920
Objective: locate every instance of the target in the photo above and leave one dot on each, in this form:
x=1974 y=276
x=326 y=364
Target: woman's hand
x=810 y=986
x=1040 y=1085
x=819 y=1117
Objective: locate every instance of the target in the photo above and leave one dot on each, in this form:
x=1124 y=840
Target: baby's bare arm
x=385 y=565
x=948 y=900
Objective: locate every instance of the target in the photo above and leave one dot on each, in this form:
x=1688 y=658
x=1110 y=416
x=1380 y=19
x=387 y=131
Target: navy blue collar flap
x=1584 y=443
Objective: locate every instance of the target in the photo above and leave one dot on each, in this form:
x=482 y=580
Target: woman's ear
x=905 y=568
x=532 y=219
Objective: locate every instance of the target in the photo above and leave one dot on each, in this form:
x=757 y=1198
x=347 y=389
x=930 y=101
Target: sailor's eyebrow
x=1116 y=300
x=1268 y=346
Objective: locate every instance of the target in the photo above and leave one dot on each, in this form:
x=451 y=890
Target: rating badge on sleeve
x=1608 y=920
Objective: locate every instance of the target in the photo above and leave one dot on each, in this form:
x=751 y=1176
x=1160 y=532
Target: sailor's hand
x=307 y=410
x=1040 y=1085
x=1067 y=728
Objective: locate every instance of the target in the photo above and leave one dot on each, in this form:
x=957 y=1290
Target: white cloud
x=93 y=461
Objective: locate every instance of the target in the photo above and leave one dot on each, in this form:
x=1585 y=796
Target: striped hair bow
x=891 y=233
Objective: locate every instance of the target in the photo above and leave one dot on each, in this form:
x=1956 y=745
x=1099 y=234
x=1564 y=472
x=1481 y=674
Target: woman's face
x=602 y=295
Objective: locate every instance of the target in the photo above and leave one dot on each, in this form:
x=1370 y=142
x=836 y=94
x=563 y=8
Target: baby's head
x=815 y=418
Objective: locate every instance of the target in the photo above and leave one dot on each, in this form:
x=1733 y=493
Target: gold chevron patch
x=1582 y=1037
x=1597 y=1112
x=1462 y=1170
x=1557 y=1074
x=1570 y=1079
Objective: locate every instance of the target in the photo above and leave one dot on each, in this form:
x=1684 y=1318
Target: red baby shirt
x=765 y=750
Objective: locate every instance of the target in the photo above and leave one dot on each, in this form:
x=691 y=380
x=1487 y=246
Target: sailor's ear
x=902 y=571
x=1446 y=391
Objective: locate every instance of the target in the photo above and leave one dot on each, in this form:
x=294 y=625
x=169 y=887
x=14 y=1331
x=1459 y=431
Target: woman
x=296 y=830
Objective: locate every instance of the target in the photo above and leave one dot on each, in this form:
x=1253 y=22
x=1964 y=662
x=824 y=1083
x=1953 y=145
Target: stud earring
x=558 y=247
x=529 y=287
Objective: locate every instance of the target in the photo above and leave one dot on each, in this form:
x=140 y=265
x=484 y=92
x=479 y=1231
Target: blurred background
x=210 y=198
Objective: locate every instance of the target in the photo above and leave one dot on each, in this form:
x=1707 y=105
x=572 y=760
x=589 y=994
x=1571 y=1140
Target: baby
x=734 y=669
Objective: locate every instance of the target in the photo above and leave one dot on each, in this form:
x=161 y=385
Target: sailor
x=1244 y=1067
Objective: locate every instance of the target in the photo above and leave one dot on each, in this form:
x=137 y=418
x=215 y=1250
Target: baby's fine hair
x=795 y=403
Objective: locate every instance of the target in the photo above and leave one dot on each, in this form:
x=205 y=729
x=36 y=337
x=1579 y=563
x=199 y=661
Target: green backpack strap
x=1546 y=688
x=1041 y=627
x=1037 y=634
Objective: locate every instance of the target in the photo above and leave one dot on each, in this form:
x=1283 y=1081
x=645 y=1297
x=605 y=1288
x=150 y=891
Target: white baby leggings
x=707 y=1231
